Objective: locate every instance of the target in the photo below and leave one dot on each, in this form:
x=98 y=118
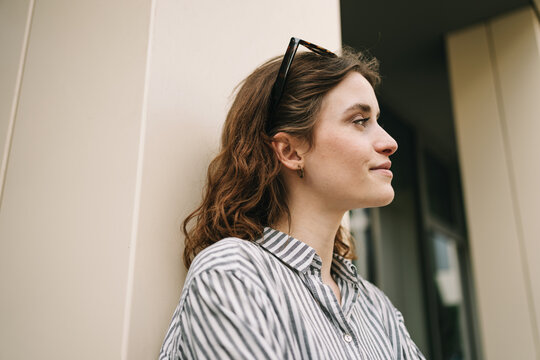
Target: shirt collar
x=301 y=256
x=291 y=251
x=344 y=268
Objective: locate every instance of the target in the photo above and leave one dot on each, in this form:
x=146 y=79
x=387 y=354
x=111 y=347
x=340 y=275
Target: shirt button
x=347 y=338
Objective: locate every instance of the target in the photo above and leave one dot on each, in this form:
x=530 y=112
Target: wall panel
x=15 y=19
x=516 y=41
x=67 y=211
x=490 y=179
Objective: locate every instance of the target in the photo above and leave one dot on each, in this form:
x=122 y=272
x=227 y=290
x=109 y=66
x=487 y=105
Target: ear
x=290 y=150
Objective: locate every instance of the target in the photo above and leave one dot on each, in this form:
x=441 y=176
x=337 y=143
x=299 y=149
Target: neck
x=316 y=227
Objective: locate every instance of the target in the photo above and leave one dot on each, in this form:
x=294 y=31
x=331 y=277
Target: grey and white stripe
x=266 y=300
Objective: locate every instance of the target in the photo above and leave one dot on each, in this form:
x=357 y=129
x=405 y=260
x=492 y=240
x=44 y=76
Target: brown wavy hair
x=244 y=191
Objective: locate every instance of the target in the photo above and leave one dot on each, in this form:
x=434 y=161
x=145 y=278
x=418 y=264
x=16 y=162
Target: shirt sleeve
x=409 y=350
x=224 y=315
x=392 y=319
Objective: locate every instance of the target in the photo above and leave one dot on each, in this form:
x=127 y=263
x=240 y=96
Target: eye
x=361 y=121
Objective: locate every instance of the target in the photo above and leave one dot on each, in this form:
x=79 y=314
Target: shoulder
x=371 y=290
x=229 y=255
x=220 y=283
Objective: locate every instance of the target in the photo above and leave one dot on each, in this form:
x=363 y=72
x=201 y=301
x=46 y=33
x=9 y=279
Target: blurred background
x=110 y=112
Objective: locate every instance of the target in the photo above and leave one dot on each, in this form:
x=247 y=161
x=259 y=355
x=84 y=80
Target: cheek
x=341 y=156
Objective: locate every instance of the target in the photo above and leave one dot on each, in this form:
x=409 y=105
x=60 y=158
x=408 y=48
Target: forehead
x=353 y=89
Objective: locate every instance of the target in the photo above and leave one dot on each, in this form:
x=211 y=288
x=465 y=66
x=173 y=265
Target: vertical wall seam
x=15 y=102
x=137 y=196
x=513 y=188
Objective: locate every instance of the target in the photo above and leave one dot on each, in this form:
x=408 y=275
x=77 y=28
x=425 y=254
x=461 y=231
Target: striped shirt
x=266 y=300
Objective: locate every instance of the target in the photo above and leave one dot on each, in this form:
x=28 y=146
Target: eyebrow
x=361 y=107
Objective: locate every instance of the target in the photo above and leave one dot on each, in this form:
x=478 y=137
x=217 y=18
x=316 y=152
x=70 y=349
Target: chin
x=388 y=200
x=382 y=199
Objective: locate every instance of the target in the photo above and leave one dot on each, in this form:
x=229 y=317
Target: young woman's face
x=348 y=166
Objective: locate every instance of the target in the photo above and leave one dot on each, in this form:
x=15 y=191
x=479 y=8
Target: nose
x=385 y=144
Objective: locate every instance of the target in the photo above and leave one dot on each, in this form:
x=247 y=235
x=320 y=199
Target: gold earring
x=300 y=171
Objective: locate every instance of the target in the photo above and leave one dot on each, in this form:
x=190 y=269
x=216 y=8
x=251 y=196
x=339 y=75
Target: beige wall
x=200 y=51
x=118 y=114
x=495 y=78
x=68 y=192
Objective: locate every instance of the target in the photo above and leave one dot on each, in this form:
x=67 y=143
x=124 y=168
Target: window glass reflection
x=449 y=296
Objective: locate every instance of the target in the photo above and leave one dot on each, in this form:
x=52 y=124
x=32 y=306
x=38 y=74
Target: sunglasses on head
x=279 y=84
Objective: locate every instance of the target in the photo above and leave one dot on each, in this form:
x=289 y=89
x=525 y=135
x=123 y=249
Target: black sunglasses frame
x=279 y=84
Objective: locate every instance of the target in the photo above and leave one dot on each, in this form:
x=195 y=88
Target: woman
x=270 y=275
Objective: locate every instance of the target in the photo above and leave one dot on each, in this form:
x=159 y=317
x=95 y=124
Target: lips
x=384 y=166
x=383 y=169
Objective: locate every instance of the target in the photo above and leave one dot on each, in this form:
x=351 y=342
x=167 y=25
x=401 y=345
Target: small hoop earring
x=300 y=172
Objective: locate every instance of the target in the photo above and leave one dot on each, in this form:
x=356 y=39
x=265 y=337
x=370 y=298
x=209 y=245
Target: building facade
x=110 y=112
